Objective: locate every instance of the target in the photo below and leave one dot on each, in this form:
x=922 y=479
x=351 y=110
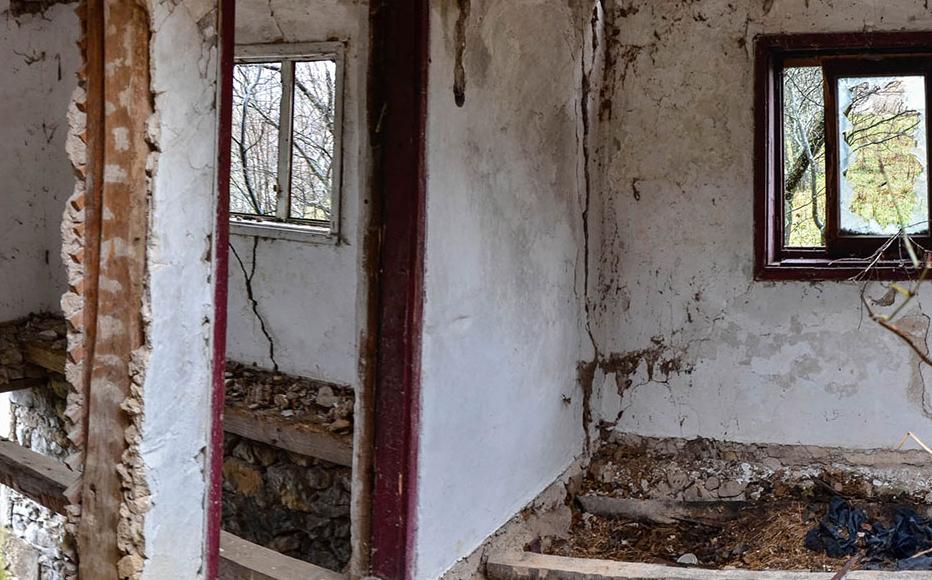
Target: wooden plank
x=660 y=511
x=41 y=355
x=22 y=384
x=242 y=560
x=528 y=566
x=290 y=435
x=120 y=275
x=40 y=478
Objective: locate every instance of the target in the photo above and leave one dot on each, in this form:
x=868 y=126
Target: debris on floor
x=846 y=530
x=265 y=392
x=286 y=501
x=724 y=505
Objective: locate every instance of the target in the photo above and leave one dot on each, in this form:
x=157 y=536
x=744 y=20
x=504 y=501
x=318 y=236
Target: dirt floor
x=768 y=534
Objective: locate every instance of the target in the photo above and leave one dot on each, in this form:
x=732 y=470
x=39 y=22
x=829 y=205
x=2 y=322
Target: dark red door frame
x=221 y=256
x=398 y=119
x=398 y=114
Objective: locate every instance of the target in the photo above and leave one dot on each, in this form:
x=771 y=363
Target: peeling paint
x=19 y=8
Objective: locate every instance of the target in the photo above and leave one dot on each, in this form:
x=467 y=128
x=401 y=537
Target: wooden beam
x=22 y=385
x=397 y=115
x=288 y=434
x=660 y=511
x=528 y=566
x=41 y=355
x=242 y=560
x=40 y=478
x=123 y=202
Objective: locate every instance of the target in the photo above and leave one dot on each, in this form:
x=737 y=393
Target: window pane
x=313 y=149
x=884 y=179
x=257 y=95
x=803 y=157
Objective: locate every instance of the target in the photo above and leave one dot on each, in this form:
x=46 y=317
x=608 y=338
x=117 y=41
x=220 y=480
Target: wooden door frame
x=397 y=122
x=398 y=128
x=226 y=19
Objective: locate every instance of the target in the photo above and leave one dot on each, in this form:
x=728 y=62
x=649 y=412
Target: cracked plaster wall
x=510 y=124
x=37 y=76
x=310 y=294
x=175 y=394
x=694 y=346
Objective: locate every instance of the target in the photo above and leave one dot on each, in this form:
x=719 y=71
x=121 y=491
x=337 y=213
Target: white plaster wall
x=176 y=426
x=38 y=61
x=310 y=294
x=735 y=359
x=501 y=414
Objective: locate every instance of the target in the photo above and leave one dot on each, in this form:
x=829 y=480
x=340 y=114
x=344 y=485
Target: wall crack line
x=251 y=296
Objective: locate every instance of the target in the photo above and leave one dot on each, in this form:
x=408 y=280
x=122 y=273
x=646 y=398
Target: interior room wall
x=37 y=76
x=691 y=345
x=504 y=318
x=39 y=59
x=309 y=293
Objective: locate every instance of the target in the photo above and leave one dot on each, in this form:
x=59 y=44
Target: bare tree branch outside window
x=804 y=151
x=290 y=177
x=257 y=94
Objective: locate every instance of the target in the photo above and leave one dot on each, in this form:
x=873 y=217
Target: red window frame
x=845 y=256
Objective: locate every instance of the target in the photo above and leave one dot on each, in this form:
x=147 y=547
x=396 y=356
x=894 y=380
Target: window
x=287 y=123
x=842 y=154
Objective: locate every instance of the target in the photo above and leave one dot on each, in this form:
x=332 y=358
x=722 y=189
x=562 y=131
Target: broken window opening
x=286 y=138
x=882 y=161
x=842 y=155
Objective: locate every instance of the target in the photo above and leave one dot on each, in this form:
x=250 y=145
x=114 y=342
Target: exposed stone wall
x=73 y=229
x=295 y=505
x=36 y=421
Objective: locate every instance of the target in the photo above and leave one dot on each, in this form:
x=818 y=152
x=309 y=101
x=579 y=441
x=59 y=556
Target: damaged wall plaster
x=703 y=349
x=309 y=294
x=37 y=76
x=505 y=264
x=20 y=8
x=174 y=437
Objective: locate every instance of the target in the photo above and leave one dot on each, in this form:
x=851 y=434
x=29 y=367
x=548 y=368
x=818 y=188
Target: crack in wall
x=603 y=32
x=917 y=384
x=251 y=296
x=281 y=32
x=587 y=371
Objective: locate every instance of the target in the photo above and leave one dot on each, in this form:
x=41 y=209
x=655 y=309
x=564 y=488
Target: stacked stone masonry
x=35 y=420
x=293 y=504
x=298 y=506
